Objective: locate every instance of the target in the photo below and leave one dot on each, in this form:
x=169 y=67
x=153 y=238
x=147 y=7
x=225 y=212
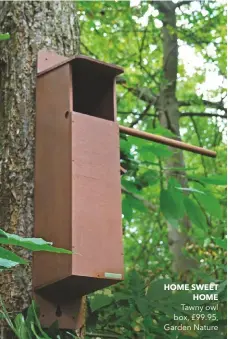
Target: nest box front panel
x=96 y=200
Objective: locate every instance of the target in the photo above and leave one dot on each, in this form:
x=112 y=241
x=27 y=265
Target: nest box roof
x=49 y=60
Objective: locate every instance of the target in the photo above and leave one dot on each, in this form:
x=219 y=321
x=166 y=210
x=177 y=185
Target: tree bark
x=169 y=118
x=32 y=25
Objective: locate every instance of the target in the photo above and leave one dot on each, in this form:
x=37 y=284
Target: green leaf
x=160 y=130
x=189 y=189
x=156 y=290
x=178 y=297
x=168 y=207
x=121 y=296
x=136 y=283
x=34 y=331
x=213 y=180
x=171 y=204
x=221 y=243
x=146 y=155
x=5 y=263
x=127 y=209
x=210 y=204
x=147 y=322
x=4 y=36
x=99 y=301
x=222 y=287
x=177 y=196
x=125 y=146
x=194 y=213
x=4 y=312
x=53 y=330
x=129 y=186
x=143 y=306
x=35 y=309
x=148 y=178
x=206 y=199
x=3 y=234
x=33 y=244
x=161 y=151
x=21 y=326
x=6 y=254
x=136 y=204
x=29 y=319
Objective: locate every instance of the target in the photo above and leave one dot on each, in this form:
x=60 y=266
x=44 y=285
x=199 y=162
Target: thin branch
x=120 y=80
x=181 y=3
x=218 y=105
x=202 y=115
x=161 y=174
x=141 y=116
x=142 y=46
x=151 y=76
x=200 y=143
x=90 y=53
x=144 y=94
x=146 y=203
x=182 y=115
x=164 y=6
x=134 y=113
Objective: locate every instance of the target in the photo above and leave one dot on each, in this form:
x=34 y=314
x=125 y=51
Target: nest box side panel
x=96 y=202
x=53 y=174
x=48 y=60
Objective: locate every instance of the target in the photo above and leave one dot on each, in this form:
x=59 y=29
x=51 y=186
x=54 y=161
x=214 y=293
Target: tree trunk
x=32 y=25
x=169 y=118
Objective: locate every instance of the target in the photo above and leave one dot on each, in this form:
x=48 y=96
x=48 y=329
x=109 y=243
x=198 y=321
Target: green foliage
x=213 y=180
x=141 y=307
x=194 y=213
x=156 y=189
x=5 y=36
x=9 y=259
x=171 y=202
x=25 y=328
x=27 y=325
x=100 y=301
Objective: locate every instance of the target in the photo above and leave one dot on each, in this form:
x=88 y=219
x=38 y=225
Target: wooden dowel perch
x=166 y=141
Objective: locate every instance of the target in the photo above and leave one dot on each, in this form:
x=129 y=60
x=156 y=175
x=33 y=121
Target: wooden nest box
x=77 y=183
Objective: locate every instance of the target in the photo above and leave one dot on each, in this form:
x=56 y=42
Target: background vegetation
x=153 y=198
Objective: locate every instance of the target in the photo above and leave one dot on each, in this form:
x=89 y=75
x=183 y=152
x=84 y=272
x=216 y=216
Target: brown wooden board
x=53 y=188
x=96 y=197
x=53 y=174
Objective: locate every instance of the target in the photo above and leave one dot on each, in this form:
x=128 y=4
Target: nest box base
x=72 y=288
x=70 y=315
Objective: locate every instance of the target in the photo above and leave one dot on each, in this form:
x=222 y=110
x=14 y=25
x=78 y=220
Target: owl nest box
x=77 y=183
